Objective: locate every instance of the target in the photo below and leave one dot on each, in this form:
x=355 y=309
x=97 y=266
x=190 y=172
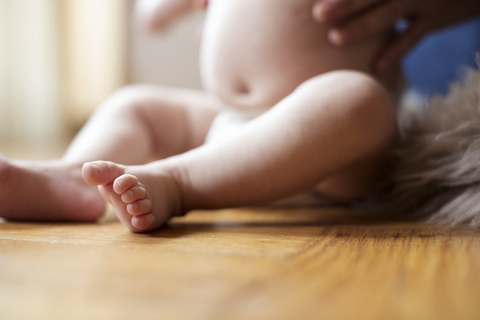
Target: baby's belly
x=256 y=52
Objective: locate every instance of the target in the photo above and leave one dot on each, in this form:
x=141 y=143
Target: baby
x=283 y=113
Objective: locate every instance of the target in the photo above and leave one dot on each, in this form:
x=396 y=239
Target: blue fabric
x=440 y=58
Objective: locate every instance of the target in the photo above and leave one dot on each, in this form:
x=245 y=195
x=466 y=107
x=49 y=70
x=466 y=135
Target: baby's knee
x=351 y=89
x=131 y=98
x=359 y=100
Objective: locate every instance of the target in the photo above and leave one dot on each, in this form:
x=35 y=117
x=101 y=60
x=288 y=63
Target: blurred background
x=59 y=59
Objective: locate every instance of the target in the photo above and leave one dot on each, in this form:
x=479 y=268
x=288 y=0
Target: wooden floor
x=241 y=264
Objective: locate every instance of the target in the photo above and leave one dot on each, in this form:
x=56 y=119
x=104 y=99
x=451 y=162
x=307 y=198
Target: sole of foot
x=46 y=191
x=143 y=198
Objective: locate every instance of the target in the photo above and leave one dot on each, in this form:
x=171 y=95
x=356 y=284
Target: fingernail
x=322 y=11
x=318 y=13
x=93 y=167
x=336 y=37
x=119 y=183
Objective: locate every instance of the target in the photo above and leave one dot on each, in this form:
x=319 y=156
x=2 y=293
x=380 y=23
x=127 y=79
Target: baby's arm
x=156 y=15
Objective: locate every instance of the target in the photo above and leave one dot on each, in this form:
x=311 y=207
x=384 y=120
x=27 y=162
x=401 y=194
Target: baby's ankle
x=178 y=192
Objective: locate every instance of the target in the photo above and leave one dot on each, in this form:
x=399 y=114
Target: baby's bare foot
x=46 y=191
x=143 y=198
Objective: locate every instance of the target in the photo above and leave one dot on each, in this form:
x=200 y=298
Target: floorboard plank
x=102 y=271
x=409 y=271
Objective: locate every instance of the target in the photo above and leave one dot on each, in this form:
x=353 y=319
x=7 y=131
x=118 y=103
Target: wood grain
x=241 y=264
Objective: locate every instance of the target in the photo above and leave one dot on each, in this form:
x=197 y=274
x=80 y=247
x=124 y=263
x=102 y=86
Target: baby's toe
x=124 y=182
x=133 y=194
x=143 y=222
x=139 y=207
x=101 y=172
x=106 y=192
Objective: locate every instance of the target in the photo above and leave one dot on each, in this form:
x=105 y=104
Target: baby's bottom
x=329 y=136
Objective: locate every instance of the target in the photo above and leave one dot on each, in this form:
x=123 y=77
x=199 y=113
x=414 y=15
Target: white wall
x=58 y=60
x=168 y=58
x=93 y=36
x=29 y=94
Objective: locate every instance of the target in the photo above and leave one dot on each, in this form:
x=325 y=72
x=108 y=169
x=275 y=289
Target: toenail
x=120 y=184
x=95 y=168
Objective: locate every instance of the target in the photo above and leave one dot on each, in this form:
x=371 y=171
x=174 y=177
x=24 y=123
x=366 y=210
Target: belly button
x=242 y=89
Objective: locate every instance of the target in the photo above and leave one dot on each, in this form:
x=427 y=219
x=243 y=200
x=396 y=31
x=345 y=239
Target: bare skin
x=46 y=183
x=56 y=190
x=250 y=168
x=141 y=206
x=353 y=21
x=325 y=130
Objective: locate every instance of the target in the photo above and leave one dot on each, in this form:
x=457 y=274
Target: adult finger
x=401 y=46
x=370 y=23
x=201 y=4
x=156 y=15
x=334 y=11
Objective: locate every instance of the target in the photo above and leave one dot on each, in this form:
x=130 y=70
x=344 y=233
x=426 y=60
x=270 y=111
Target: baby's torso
x=256 y=52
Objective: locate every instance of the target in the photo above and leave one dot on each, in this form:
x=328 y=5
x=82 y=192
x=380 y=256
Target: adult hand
x=352 y=21
x=156 y=15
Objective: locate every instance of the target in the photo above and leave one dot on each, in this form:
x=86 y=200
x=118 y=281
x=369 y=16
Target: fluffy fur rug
x=436 y=172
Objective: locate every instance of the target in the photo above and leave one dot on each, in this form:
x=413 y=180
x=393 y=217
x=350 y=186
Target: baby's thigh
x=366 y=114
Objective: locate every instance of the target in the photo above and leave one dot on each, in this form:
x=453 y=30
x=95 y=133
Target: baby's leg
x=141 y=123
x=327 y=126
x=135 y=125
